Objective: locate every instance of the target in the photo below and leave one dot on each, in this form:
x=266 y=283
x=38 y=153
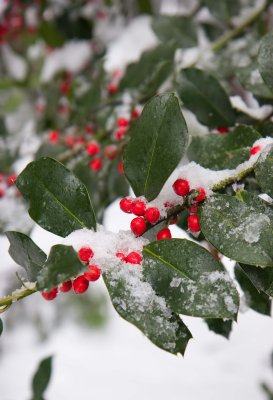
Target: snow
x=71 y=57
x=257 y=112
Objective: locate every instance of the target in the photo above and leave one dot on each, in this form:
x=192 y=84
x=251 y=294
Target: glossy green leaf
x=136 y=302
x=264 y=173
x=265 y=59
x=138 y=72
x=59 y=202
x=262 y=279
x=202 y=94
x=220 y=326
x=62 y=264
x=223 y=9
x=240 y=227
x=158 y=141
x=26 y=253
x=227 y=151
x=50 y=34
x=175 y=27
x=250 y=78
x=259 y=302
x=190 y=279
x=41 y=378
x=1 y=327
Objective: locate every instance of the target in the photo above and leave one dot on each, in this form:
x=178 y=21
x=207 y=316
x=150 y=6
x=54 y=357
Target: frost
x=230 y=304
x=257 y=112
x=254 y=226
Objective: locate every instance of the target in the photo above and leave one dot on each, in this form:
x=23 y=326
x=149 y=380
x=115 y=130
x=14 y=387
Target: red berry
x=92 y=148
x=95 y=164
x=121 y=133
x=122 y=122
x=11 y=179
x=93 y=273
x=121 y=256
x=80 y=284
x=2 y=193
x=193 y=223
x=138 y=226
x=69 y=141
x=138 y=207
x=89 y=128
x=164 y=234
x=181 y=187
x=193 y=209
x=111 y=151
x=133 y=258
x=222 y=129
x=65 y=87
x=112 y=89
x=255 y=150
x=152 y=215
x=85 y=253
x=65 y=286
x=120 y=168
x=50 y=295
x=135 y=114
x=53 y=136
x=201 y=196
x=126 y=205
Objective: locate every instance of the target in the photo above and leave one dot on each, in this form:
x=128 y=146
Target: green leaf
x=239 y=228
x=216 y=151
x=59 y=202
x=145 y=6
x=264 y=172
x=190 y=279
x=202 y=94
x=50 y=150
x=62 y=264
x=41 y=378
x=259 y=302
x=250 y=78
x=1 y=327
x=136 y=302
x=223 y=9
x=50 y=34
x=265 y=59
x=262 y=279
x=179 y=28
x=137 y=73
x=220 y=326
x=26 y=253
x=158 y=141
x=3 y=129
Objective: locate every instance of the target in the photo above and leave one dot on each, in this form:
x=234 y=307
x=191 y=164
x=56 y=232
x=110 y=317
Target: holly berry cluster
x=145 y=214
x=80 y=283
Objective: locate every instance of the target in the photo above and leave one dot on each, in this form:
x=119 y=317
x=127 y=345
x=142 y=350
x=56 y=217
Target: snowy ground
x=119 y=363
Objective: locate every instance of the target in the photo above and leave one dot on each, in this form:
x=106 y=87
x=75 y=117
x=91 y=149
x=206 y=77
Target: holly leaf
x=26 y=253
x=264 y=172
x=265 y=59
x=175 y=27
x=62 y=264
x=1 y=327
x=215 y=151
x=259 y=302
x=262 y=279
x=191 y=280
x=137 y=303
x=223 y=9
x=158 y=141
x=239 y=227
x=137 y=73
x=250 y=78
x=202 y=94
x=220 y=326
x=59 y=202
x=41 y=378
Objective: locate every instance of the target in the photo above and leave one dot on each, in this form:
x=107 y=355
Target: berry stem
x=6 y=302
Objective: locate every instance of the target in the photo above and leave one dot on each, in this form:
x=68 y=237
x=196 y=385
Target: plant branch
x=6 y=302
x=228 y=181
